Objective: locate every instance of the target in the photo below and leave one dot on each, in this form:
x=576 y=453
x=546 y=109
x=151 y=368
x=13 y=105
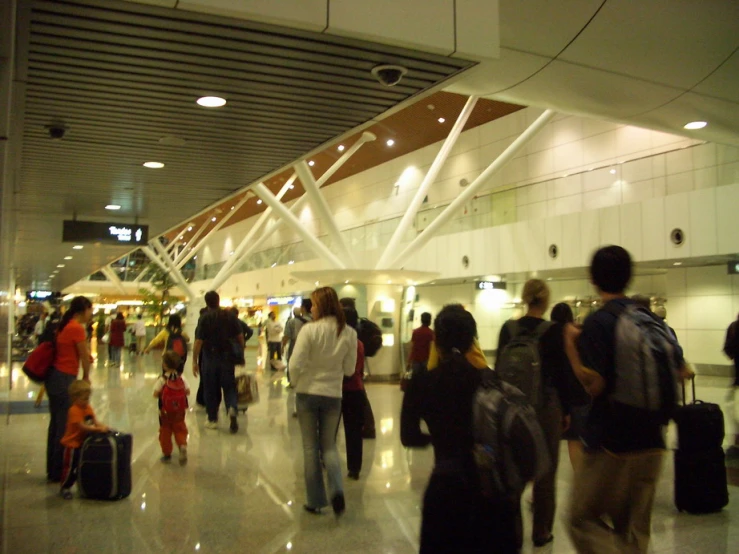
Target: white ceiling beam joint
x=167 y=265
x=110 y=273
x=444 y=217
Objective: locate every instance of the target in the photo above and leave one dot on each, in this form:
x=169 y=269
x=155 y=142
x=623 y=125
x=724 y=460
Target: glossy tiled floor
x=244 y=493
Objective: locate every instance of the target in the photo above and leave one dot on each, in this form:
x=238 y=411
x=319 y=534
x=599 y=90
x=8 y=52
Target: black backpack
x=371 y=336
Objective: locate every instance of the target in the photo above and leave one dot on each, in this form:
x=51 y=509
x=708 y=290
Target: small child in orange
x=172 y=391
x=81 y=422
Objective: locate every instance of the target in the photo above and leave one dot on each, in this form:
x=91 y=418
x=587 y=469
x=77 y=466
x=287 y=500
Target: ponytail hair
x=79 y=304
x=174 y=324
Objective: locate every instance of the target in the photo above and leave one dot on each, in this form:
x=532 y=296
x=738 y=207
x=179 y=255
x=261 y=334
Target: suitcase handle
x=692 y=383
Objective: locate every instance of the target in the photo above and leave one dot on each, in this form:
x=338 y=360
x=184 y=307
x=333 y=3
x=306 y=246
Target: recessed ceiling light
x=154 y=165
x=233 y=207
x=390 y=142
x=311 y=163
x=60 y=265
x=389 y=282
x=291 y=262
x=613 y=172
x=211 y=101
x=213 y=219
x=232 y=253
x=695 y=125
x=441 y=120
x=341 y=148
x=346 y=282
x=274 y=264
x=291 y=187
x=259 y=201
x=112 y=207
x=77 y=247
x=189 y=228
x=678 y=263
x=67 y=257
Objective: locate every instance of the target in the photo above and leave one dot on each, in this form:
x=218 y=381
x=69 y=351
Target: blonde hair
x=535 y=293
x=78 y=388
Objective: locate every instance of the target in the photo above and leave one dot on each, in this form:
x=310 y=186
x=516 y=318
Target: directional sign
x=106 y=233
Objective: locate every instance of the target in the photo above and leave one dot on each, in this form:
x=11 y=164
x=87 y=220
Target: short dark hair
x=307 y=304
x=212 y=299
x=562 y=313
x=610 y=269
x=235 y=311
x=455 y=328
x=352 y=317
x=171 y=360
x=347 y=302
x=426 y=319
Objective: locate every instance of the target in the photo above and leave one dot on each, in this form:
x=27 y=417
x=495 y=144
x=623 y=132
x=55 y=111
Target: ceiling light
x=291 y=262
x=189 y=228
x=232 y=253
x=678 y=263
x=259 y=201
x=291 y=187
x=233 y=207
x=213 y=219
x=389 y=282
x=346 y=282
x=60 y=265
x=112 y=207
x=67 y=257
x=613 y=172
x=77 y=247
x=311 y=163
x=390 y=142
x=441 y=120
x=154 y=165
x=274 y=264
x=211 y=101
x=695 y=125
x=341 y=148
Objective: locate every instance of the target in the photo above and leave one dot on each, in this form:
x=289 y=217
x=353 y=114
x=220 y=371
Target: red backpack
x=174 y=396
x=177 y=344
x=38 y=363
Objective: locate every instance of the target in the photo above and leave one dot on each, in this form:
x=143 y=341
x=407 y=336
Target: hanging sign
x=106 y=233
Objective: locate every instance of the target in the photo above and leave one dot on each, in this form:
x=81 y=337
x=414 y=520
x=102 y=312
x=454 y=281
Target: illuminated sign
x=282 y=300
x=491 y=285
x=733 y=268
x=107 y=233
x=39 y=294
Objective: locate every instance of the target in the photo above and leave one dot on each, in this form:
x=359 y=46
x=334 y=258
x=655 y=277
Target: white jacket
x=321 y=360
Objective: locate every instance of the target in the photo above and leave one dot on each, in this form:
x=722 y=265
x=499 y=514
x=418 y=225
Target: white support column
x=183 y=258
x=428 y=233
x=197 y=234
x=287 y=216
x=324 y=212
x=113 y=278
x=428 y=180
x=167 y=265
x=230 y=266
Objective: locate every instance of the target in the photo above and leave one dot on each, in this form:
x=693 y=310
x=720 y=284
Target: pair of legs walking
x=219 y=374
x=352 y=410
x=69 y=474
x=173 y=424
x=57 y=386
x=318 y=417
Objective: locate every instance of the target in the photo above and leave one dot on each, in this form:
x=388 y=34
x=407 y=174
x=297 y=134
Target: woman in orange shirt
x=71 y=349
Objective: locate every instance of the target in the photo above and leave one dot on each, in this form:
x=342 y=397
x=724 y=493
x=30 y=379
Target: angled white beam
x=142 y=274
x=230 y=266
x=113 y=278
x=421 y=240
x=428 y=180
x=324 y=212
x=183 y=259
x=171 y=270
x=288 y=218
x=276 y=224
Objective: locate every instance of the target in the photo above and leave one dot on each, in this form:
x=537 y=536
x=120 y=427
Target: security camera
x=389 y=75
x=56 y=131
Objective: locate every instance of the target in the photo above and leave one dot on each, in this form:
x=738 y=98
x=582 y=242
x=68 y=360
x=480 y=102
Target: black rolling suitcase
x=700 y=470
x=105 y=466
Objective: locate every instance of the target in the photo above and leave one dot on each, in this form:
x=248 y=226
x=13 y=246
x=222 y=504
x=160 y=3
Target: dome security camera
x=56 y=131
x=389 y=75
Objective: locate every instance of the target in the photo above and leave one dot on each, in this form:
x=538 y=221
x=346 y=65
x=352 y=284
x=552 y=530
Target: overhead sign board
x=282 y=300
x=39 y=294
x=491 y=285
x=733 y=268
x=106 y=233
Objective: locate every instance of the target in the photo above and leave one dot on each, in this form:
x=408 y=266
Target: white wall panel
x=708 y=281
x=704 y=346
x=570 y=251
x=554 y=236
x=703 y=223
x=631 y=230
x=507 y=249
x=589 y=234
x=610 y=225
x=677 y=216
x=677 y=312
x=537 y=250
x=727 y=203
x=709 y=312
x=677 y=282
x=653 y=229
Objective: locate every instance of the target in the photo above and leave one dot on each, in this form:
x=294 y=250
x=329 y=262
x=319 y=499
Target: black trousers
x=457 y=518
x=274 y=348
x=352 y=410
x=56 y=388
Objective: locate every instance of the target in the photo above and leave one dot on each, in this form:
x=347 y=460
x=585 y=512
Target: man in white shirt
x=273 y=334
x=139 y=331
x=40 y=326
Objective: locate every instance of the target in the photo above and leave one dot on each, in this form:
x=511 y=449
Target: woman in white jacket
x=325 y=353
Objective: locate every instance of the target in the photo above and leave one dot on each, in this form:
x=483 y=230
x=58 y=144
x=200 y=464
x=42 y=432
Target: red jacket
x=356 y=381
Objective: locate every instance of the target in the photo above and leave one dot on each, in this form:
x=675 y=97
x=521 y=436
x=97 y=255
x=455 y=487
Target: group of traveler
x=577 y=386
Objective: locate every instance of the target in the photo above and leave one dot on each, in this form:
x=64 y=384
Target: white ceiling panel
x=543 y=27
x=676 y=43
x=576 y=89
x=723 y=83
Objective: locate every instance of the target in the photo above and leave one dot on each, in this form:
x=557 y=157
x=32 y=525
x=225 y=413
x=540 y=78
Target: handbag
x=106 y=338
x=40 y=361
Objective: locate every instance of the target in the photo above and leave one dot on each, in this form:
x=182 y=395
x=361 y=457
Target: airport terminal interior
x=408 y=154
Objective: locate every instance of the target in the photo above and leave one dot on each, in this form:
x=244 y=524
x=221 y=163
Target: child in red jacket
x=172 y=390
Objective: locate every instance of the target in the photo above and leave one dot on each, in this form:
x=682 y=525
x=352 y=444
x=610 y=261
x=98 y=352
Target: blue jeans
x=319 y=421
x=115 y=354
x=218 y=373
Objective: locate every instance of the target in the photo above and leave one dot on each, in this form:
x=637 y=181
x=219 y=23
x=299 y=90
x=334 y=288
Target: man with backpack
x=219 y=337
x=629 y=362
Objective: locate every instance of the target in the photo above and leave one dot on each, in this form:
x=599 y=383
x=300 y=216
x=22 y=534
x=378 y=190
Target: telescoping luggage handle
x=695 y=400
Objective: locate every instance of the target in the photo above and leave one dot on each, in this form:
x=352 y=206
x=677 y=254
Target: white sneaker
x=211 y=425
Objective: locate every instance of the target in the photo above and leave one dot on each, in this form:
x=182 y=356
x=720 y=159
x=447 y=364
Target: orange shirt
x=74 y=436
x=67 y=358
